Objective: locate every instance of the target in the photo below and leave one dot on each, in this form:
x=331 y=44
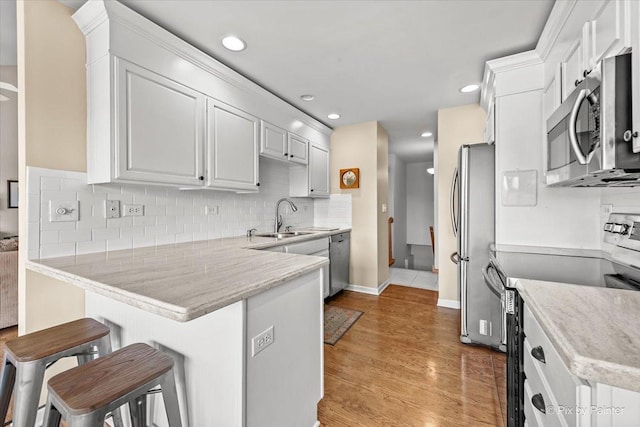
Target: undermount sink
x=284 y=234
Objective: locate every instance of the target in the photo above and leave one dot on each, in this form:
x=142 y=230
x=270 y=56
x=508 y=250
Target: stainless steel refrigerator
x=473 y=220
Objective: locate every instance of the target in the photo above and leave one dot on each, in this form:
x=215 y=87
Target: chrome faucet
x=278 y=222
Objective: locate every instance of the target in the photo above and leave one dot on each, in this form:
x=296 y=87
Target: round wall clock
x=350 y=178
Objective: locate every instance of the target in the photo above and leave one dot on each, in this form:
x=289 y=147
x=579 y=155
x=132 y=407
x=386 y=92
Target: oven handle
x=499 y=289
x=573 y=135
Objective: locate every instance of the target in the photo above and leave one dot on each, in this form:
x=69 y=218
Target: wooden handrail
x=391 y=260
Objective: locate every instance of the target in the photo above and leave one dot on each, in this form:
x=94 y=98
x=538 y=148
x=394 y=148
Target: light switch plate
x=63 y=211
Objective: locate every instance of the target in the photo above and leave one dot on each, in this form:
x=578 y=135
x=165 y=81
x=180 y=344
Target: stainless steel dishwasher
x=339 y=251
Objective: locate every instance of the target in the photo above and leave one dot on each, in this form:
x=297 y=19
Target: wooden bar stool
x=85 y=394
x=27 y=357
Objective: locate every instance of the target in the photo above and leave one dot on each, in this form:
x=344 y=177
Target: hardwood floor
x=402 y=364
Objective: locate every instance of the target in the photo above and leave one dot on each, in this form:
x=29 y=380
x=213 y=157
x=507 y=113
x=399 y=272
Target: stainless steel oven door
x=494 y=281
x=573 y=133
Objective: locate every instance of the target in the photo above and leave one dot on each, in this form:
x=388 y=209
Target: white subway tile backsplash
x=170 y=215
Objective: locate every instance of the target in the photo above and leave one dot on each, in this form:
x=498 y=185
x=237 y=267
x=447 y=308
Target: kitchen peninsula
x=208 y=303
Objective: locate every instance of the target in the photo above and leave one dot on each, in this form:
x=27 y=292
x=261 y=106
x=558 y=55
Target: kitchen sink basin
x=284 y=234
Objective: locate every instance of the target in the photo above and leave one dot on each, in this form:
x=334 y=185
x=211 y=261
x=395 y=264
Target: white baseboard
x=369 y=290
x=448 y=303
x=317 y=424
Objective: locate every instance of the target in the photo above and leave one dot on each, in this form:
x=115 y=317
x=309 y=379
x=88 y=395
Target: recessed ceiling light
x=426 y=134
x=469 y=88
x=334 y=116
x=234 y=43
x=307 y=97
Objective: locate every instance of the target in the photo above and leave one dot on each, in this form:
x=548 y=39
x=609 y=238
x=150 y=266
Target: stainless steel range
x=616 y=266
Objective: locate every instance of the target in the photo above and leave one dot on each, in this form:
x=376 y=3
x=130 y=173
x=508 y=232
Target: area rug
x=337 y=322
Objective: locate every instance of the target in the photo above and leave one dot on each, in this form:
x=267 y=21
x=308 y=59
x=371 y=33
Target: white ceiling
x=393 y=61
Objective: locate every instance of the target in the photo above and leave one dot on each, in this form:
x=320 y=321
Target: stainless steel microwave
x=589 y=137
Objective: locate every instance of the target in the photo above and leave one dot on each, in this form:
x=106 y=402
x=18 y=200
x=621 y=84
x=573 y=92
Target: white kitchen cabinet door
x=572 y=67
x=273 y=142
x=609 y=31
x=318 y=171
x=298 y=149
x=635 y=73
x=159 y=129
x=232 y=148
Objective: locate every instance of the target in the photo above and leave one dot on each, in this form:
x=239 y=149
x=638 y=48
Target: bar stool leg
x=6 y=388
x=170 y=397
x=52 y=416
x=138 y=409
x=104 y=348
x=29 y=381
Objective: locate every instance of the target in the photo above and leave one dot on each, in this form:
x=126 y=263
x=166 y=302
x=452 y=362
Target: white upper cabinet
x=490 y=124
x=232 y=148
x=169 y=114
x=607 y=34
x=609 y=31
x=273 y=142
x=160 y=128
x=298 y=149
x=277 y=143
x=318 y=171
x=572 y=67
x=311 y=180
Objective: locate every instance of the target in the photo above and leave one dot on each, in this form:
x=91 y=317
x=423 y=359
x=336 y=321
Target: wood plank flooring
x=402 y=364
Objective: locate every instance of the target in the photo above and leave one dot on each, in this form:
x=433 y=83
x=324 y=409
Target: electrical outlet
x=262 y=340
x=211 y=210
x=384 y=208
x=63 y=211
x=112 y=209
x=133 y=210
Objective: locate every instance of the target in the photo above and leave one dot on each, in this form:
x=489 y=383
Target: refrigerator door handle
x=454 y=221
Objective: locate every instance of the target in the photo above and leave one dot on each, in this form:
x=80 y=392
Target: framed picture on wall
x=12 y=194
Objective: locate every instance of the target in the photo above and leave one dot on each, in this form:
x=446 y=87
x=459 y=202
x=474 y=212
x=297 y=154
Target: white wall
x=8 y=150
x=398 y=208
x=419 y=203
x=170 y=215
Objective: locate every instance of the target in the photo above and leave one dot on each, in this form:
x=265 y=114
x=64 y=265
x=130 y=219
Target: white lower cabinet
x=232 y=148
x=159 y=133
x=553 y=396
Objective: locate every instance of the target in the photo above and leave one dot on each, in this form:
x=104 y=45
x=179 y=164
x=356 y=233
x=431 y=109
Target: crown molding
x=502 y=65
x=552 y=29
x=96 y=12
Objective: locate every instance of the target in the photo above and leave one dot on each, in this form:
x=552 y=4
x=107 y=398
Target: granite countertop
x=596 y=331
x=186 y=280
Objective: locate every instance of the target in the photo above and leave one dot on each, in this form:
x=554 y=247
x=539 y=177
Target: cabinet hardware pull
x=538 y=353
x=578 y=82
x=257 y=184
x=538 y=402
x=628 y=135
x=286 y=154
x=201 y=178
x=312 y=189
x=291 y=156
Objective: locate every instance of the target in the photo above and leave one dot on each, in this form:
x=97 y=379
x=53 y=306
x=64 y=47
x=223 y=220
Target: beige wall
x=8 y=149
x=52 y=134
x=361 y=146
x=456 y=126
x=383 y=199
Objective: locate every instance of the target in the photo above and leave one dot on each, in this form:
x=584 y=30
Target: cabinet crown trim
x=96 y=12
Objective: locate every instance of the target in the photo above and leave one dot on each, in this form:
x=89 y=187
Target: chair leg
x=138 y=409
x=29 y=377
x=6 y=388
x=170 y=397
x=52 y=416
x=94 y=419
x=104 y=348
